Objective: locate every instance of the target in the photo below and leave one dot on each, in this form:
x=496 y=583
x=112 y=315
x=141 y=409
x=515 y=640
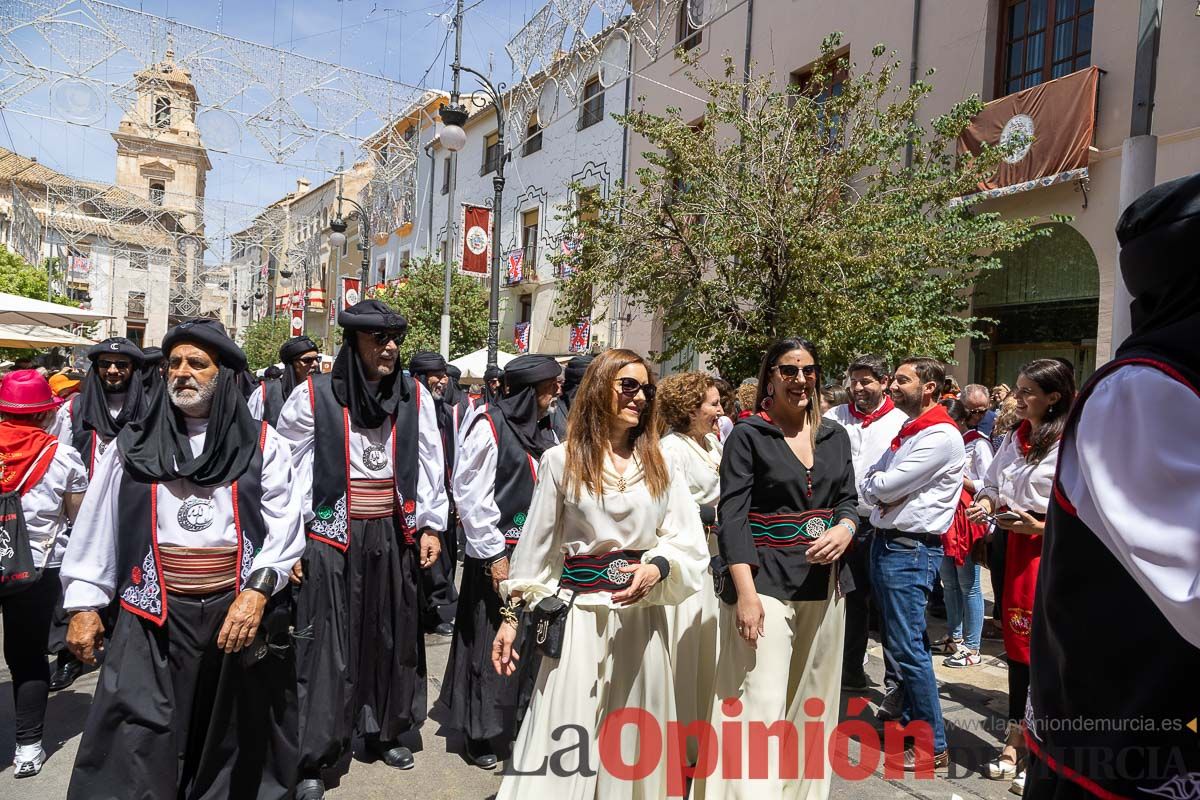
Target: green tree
x=263 y=338
x=419 y=300
x=18 y=276
x=794 y=213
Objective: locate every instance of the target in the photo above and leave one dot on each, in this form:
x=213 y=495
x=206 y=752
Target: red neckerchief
x=19 y=446
x=934 y=416
x=866 y=419
x=972 y=436
x=744 y=414
x=1024 y=433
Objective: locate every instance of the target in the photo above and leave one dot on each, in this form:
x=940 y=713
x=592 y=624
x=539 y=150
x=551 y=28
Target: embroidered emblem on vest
x=101 y=446
x=374 y=457
x=410 y=513
x=333 y=525
x=196 y=514
x=1179 y=787
x=145 y=593
x=1020 y=621
x=247 y=560
x=324 y=512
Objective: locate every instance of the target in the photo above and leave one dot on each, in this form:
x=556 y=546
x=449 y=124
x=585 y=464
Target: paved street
x=973 y=702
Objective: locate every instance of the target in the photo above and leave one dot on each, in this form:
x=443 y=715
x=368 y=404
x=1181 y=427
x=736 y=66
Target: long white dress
x=613 y=657
x=693 y=623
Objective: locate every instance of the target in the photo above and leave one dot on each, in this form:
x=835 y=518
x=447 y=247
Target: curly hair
x=678 y=396
x=746 y=393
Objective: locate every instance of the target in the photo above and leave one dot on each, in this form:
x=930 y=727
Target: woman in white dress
x=689 y=407
x=610 y=526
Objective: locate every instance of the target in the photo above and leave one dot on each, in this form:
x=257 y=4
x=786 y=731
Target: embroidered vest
x=1083 y=591
x=139 y=571
x=516 y=474
x=272 y=397
x=331 y=463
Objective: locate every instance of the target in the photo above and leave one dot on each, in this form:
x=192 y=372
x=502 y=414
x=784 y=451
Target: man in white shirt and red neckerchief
x=1116 y=622
x=915 y=487
x=871 y=420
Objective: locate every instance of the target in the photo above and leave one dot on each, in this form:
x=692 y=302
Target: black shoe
x=856 y=682
x=892 y=706
x=481 y=755
x=310 y=789
x=443 y=629
x=65 y=675
x=398 y=757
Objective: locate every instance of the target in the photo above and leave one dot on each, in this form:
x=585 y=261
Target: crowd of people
x=254 y=564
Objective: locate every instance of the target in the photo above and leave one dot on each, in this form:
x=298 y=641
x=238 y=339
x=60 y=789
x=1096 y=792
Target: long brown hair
x=590 y=424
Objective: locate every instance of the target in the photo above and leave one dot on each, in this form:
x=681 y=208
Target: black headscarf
x=520 y=407
x=1159 y=235
x=291 y=350
x=454 y=393
x=490 y=374
x=368 y=409
x=572 y=377
x=156 y=448
x=151 y=372
x=93 y=400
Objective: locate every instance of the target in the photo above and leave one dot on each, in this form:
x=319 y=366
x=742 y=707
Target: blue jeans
x=964 y=601
x=903 y=579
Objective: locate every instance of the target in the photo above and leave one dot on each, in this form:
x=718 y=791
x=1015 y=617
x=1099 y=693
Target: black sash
x=272 y=397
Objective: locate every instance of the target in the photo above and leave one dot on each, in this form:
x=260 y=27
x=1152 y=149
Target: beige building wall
x=959 y=38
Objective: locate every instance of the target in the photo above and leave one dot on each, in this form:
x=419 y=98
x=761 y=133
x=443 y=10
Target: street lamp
x=338 y=237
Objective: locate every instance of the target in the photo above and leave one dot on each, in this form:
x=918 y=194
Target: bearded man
x=300 y=359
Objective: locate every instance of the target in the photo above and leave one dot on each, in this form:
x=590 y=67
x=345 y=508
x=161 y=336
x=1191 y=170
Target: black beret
x=117 y=346
x=207 y=333
x=530 y=369
x=424 y=362
x=493 y=373
x=576 y=367
x=295 y=347
x=1159 y=233
x=454 y=372
x=371 y=315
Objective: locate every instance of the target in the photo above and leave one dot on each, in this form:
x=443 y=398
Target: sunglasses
x=630 y=387
x=383 y=337
x=791 y=371
x=308 y=361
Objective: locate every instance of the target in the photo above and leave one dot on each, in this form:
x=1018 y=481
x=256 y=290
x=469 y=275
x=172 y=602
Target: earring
x=766 y=403
x=770 y=390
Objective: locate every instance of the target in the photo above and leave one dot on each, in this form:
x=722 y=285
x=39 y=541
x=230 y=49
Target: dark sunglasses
x=308 y=360
x=791 y=371
x=383 y=337
x=630 y=387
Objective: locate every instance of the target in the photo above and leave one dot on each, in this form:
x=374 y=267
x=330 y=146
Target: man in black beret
x=113 y=393
x=572 y=377
x=1121 y=551
x=368 y=437
x=493 y=484
x=194 y=528
x=493 y=384
x=300 y=358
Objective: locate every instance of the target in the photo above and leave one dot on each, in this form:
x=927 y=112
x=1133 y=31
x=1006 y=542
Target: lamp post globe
x=453 y=138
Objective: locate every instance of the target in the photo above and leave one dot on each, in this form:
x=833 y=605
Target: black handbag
x=722 y=581
x=549 y=621
x=17 y=569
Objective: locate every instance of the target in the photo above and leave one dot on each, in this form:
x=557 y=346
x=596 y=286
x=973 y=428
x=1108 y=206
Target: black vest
x=82 y=439
x=331 y=462
x=272 y=399
x=1081 y=675
x=139 y=577
x=516 y=474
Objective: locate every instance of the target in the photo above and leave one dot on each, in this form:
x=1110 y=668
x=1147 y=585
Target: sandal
x=1001 y=769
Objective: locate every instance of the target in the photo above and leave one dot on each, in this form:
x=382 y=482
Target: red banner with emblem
x=298 y=321
x=477 y=240
x=350 y=292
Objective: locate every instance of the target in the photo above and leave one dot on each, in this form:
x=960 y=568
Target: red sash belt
x=198 y=570
x=372 y=499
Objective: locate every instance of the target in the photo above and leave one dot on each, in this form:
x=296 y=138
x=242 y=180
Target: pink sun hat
x=26 y=391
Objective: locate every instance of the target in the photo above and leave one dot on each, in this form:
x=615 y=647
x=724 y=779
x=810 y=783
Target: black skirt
x=174 y=717
x=481 y=704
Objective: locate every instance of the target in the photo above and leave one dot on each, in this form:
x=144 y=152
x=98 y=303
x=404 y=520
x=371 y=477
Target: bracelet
x=262 y=580
x=508 y=612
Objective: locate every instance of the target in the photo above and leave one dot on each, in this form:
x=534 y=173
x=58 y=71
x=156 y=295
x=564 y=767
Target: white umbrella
x=473 y=364
x=35 y=337
x=18 y=310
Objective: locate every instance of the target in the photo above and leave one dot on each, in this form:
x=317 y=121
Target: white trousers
x=799 y=658
x=693 y=645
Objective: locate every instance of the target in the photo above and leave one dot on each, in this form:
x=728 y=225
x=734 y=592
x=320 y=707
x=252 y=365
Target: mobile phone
x=1007 y=516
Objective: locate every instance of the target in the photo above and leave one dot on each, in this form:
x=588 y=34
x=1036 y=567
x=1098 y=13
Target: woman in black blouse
x=787 y=514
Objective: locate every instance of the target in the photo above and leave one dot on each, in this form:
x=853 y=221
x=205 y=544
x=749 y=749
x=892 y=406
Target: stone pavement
x=973 y=701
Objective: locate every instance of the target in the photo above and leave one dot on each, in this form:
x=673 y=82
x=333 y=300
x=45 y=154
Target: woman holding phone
x=1015 y=494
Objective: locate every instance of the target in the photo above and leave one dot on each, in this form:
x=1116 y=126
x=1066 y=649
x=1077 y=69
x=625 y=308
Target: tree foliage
x=794 y=213
x=263 y=338
x=419 y=299
x=18 y=276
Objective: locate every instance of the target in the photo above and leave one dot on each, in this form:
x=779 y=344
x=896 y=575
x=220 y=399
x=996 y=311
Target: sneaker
x=910 y=761
x=28 y=760
x=892 y=705
x=963 y=658
x=1018 y=784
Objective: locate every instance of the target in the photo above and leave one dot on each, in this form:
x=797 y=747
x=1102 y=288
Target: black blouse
x=766 y=492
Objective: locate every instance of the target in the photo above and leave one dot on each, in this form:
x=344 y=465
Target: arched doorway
x=1045 y=300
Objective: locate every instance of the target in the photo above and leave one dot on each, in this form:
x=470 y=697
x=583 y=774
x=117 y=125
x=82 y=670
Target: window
x=1041 y=40
x=409 y=133
x=591 y=110
x=533 y=138
x=526 y=307
x=687 y=35
x=491 y=153
x=162 y=112
x=405 y=261
x=380 y=270
x=157 y=191
x=802 y=87
x=529 y=240
x=136 y=305
x=446 y=175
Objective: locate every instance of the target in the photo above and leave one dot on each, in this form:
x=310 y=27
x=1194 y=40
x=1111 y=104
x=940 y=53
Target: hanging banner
x=569 y=248
x=316 y=298
x=521 y=337
x=516 y=265
x=477 y=240
x=581 y=336
x=26 y=232
x=298 y=321
x=350 y=296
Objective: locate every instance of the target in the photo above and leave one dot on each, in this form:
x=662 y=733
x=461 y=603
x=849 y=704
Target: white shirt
x=867 y=443
x=559 y=525
x=1014 y=482
x=433 y=506
x=474 y=488
x=979 y=458
x=921 y=482
x=255 y=401
x=699 y=466
x=60 y=427
x=46 y=517
x=89 y=569
x=1132 y=472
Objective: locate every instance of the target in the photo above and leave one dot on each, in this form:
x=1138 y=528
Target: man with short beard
x=914 y=487
x=365 y=439
x=300 y=359
x=193 y=525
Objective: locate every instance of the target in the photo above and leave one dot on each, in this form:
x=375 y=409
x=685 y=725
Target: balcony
x=520 y=266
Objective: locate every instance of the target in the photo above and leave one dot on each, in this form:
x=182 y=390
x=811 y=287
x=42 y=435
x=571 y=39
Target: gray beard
x=197 y=405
